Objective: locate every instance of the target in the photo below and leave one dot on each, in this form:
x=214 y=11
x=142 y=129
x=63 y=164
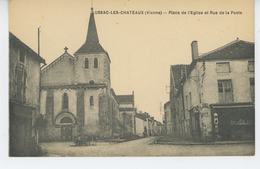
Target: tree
x=39 y=123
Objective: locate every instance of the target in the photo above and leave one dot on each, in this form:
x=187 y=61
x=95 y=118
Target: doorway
x=66 y=130
x=66 y=133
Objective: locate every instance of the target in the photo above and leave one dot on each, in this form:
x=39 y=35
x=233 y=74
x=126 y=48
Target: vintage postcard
x=93 y=78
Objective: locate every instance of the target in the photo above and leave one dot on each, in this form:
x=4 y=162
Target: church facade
x=76 y=94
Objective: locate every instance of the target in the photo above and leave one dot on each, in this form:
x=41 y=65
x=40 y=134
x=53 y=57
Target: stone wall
x=104 y=119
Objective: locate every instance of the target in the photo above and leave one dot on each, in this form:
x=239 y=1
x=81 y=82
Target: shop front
x=233 y=121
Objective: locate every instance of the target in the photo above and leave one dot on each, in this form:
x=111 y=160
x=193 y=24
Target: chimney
x=194 y=50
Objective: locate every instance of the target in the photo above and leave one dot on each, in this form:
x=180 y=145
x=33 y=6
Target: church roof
x=91 y=45
x=125 y=98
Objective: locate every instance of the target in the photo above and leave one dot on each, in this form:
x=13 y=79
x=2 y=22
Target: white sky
x=141 y=47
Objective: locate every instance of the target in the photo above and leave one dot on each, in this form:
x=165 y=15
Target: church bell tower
x=92 y=65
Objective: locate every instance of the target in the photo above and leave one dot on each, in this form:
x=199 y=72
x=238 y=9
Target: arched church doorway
x=66 y=129
x=66 y=122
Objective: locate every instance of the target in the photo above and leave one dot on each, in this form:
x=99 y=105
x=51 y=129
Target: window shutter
x=252 y=88
x=24 y=85
x=19 y=84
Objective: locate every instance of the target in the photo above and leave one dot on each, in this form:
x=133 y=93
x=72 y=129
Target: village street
x=144 y=147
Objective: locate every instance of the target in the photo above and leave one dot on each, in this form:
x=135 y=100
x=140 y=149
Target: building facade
x=146 y=126
x=140 y=125
x=126 y=112
x=180 y=118
x=218 y=93
x=24 y=87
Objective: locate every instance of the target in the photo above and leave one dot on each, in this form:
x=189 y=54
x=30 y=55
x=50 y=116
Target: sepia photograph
x=129 y=78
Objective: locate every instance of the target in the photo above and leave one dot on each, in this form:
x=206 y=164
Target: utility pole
x=39 y=40
x=37 y=130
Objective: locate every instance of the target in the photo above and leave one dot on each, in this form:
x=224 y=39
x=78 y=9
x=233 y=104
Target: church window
x=66 y=120
x=91 y=101
x=65 y=101
x=95 y=63
x=86 y=63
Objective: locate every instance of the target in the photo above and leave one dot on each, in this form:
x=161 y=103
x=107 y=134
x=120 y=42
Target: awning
x=232 y=105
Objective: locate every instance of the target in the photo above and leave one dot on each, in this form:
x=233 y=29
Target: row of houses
x=145 y=126
x=213 y=98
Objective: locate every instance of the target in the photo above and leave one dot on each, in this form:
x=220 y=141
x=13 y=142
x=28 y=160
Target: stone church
x=76 y=94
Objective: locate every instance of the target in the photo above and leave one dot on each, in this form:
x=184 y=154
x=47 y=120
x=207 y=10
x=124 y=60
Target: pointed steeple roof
x=92 y=43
